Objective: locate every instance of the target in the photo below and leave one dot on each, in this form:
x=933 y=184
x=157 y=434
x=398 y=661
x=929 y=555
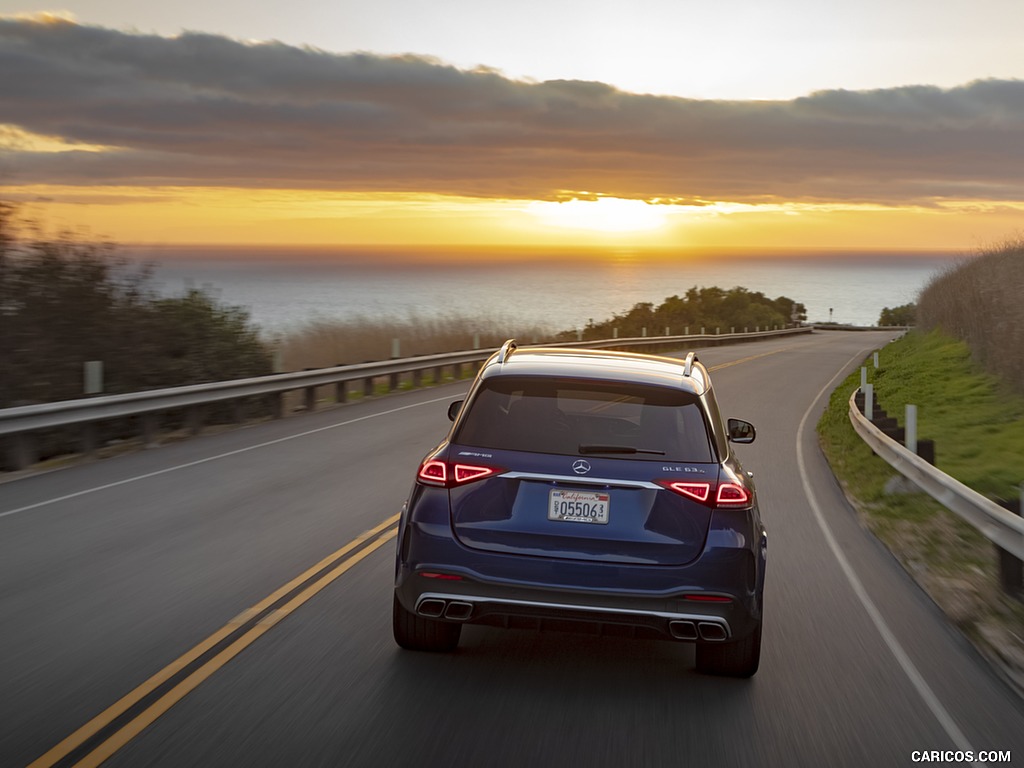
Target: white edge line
x=175 y=468
x=916 y=679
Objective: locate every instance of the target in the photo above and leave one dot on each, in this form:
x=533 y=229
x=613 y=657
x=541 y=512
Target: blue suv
x=586 y=489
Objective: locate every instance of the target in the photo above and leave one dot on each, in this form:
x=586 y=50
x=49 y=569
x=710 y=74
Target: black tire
x=419 y=634
x=739 y=658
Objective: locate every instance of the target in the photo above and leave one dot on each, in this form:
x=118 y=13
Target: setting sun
x=605 y=214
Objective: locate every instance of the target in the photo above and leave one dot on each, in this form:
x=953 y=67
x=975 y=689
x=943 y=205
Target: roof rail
x=691 y=358
x=506 y=350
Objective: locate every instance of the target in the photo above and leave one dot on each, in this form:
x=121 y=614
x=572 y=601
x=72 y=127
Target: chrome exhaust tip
x=682 y=630
x=431 y=608
x=712 y=632
x=458 y=611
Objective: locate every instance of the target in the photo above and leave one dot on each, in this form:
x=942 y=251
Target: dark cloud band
x=210 y=111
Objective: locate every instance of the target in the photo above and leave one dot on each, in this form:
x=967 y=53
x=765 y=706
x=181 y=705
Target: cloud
x=204 y=110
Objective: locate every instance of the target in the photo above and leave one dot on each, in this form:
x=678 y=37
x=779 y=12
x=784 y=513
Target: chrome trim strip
x=582 y=480
x=695 y=617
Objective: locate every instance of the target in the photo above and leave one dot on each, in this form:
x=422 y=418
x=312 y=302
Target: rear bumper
x=506 y=611
x=511 y=590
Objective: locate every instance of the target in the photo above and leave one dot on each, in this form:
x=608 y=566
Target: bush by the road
x=905 y=314
x=64 y=302
x=709 y=308
x=979 y=302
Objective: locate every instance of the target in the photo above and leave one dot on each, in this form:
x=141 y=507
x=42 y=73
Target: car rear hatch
x=577 y=468
x=580 y=508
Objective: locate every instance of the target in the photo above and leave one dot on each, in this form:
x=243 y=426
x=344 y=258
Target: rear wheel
x=739 y=658
x=419 y=634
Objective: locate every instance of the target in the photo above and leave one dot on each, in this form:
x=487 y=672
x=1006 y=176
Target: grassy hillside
x=977 y=422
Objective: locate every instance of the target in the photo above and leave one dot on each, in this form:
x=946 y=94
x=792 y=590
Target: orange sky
x=204 y=139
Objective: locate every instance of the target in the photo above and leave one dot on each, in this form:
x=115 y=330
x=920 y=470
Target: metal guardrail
x=17 y=424
x=1001 y=527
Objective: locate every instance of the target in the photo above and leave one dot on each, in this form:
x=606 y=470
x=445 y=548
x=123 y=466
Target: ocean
x=285 y=290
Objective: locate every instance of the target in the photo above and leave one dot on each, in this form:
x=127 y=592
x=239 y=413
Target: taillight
x=732 y=495
x=449 y=474
x=698 y=491
x=726 y=494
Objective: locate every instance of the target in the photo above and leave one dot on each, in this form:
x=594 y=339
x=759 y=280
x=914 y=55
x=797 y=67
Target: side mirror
x=741 y=431
x=454 y=408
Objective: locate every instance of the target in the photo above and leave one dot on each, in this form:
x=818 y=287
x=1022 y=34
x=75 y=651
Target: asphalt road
x=112 y=571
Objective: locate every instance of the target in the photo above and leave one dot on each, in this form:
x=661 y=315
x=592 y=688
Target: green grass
x=977 y=424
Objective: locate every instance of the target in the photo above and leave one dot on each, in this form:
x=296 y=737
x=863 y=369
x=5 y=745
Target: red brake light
x=732 y=495
x=697 y=491
x=438 y=472
x=466 y=473
x=726 y=495
x=434 y=472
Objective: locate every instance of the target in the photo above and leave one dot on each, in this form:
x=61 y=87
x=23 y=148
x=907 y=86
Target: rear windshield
x=572 y=417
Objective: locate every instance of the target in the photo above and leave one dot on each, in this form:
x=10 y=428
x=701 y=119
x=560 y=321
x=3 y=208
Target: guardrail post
x=341 y=392
x=393 y=382
x=368 y=386
x=1011 y=570
x=439 y=374
x=194 y=419
x=22 y=450
x=90 y=437
x=309 y=401
x=277 y=405
x=150 y=425
x=417 y=377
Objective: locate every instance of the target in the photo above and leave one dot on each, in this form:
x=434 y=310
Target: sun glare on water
x=606 y=214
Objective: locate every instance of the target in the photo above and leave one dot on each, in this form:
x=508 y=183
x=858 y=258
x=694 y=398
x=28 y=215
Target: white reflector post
x=93 y=377
x=911 y=428
x=869 y=401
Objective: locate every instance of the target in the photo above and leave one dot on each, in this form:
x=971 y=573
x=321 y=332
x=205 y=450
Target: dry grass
x=979 y=301
x=321 y=344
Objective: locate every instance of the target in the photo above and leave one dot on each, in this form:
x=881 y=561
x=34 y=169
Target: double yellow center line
x=106 y=733
x=113 y=728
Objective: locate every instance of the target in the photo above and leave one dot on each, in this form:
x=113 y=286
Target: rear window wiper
x=617 y=449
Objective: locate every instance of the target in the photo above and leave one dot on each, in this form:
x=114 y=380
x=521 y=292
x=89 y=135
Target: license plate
x=579 y=506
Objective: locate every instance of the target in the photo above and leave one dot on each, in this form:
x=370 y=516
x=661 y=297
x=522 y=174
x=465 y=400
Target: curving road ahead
x=227 y=601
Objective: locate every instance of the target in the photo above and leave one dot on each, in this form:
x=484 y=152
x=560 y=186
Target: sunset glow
x=196 y=137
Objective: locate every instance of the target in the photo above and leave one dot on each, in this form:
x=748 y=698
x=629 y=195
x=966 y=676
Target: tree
x=905 y=314
x=64 y=302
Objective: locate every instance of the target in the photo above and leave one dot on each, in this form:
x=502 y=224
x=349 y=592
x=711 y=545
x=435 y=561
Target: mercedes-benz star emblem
x=581 y=466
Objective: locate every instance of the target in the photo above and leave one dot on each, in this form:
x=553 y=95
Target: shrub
x=979 y=301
